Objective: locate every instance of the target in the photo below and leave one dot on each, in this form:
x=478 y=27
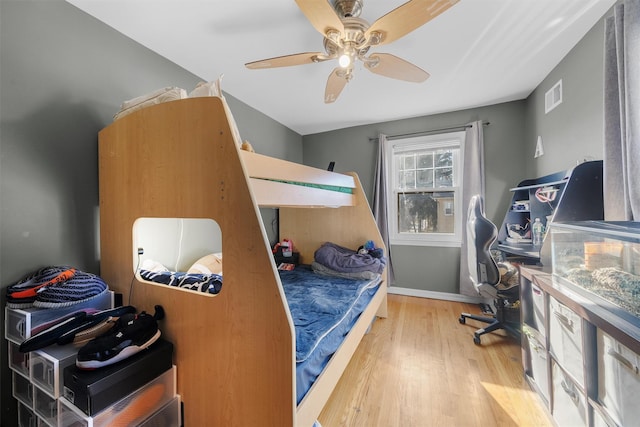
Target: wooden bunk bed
x=235 y=351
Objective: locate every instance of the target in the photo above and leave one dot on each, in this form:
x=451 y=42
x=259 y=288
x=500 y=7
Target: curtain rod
x=427 y=132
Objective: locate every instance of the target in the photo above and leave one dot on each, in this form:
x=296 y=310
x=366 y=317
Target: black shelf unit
x=571 y=195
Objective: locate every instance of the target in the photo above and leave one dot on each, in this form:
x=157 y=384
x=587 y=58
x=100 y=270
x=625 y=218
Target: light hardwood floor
x=419 y=367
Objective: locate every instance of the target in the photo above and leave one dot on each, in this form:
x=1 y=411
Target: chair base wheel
x=462 y=320
x=476 y=339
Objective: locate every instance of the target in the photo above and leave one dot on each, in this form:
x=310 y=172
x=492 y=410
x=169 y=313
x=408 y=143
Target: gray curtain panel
x=622 y=113
x=473 y=183
x=380 y=212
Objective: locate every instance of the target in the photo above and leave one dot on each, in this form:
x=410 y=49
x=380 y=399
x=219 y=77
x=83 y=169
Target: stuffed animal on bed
x=370 y=248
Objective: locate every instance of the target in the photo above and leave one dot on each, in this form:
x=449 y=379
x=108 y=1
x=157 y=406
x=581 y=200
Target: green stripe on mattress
x=335 y=188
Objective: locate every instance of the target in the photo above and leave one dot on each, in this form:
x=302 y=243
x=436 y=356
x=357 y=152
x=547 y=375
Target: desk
x=571 y=195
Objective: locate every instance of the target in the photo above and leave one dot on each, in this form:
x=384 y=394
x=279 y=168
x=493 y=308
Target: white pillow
x=208 y=264
x=156 y=97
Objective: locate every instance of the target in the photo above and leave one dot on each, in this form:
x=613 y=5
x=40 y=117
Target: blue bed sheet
x=324 y=309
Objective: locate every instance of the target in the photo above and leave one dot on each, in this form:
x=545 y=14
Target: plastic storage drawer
x=45 y=406
x=48 y=364
x=18 y=361
x=19 y=323
x=22 y=389
x=569 y=403
x=565 y=339
x=131 y=410
x=167 y=416
x=26 y=417
x=618 y=380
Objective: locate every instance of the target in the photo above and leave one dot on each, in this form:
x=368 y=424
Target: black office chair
x=485 y=275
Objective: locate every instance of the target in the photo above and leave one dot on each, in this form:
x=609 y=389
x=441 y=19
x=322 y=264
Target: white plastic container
x=133 y=409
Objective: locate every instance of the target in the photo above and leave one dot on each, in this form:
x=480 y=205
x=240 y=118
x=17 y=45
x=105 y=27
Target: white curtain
x=380 y=212
x=473 y=183
x=622 y=113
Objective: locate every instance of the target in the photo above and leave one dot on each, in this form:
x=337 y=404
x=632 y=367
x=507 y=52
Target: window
x=424 y=179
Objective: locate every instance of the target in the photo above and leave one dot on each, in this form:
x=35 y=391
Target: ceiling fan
x=348 y=38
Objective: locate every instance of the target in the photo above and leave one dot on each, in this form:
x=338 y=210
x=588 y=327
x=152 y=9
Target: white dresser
x=581 y=357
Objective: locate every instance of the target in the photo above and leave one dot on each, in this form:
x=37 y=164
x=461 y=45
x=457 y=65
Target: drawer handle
x=570 y=391
x=20 y=327
x=566 y=322
x=536 y=291
x=623 y=360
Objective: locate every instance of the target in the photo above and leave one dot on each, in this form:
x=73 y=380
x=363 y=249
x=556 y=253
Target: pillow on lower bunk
x=208 y=264
x=153 y=265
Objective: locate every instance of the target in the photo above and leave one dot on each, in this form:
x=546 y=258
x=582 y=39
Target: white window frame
x=397 y=146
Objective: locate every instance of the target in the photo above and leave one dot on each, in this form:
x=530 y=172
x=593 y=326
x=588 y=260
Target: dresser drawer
x=569 y=407
x=602 y=420
x=537 y=298
x=539 y=373
x=618 y=380
x=565 y=339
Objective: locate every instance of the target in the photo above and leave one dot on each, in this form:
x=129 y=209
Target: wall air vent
x=553 y=97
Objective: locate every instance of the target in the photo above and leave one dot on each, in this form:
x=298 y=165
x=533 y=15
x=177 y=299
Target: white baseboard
x=435 y=295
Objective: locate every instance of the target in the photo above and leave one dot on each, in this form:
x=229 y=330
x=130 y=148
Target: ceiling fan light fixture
x=344 y=60
x=348 y=38
x=347 y=56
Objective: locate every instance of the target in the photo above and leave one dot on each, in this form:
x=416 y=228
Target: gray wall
x=418 y=267
x=63 y=76
x=572 y=132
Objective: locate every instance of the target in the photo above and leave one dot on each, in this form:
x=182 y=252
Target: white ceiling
x=479 y=52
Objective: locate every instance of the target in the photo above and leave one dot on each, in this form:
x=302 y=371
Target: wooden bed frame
x=235 y=352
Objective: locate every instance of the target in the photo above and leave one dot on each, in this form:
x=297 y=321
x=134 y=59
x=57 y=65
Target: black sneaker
x=131 y=334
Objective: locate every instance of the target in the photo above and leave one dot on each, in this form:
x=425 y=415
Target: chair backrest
x=481 y=233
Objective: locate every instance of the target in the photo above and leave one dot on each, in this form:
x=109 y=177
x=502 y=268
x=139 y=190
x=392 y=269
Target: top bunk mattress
x=280 y=183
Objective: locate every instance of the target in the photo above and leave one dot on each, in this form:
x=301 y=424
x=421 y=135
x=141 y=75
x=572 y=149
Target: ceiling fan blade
x=406 y=18
x=288 y=60
x=389 y=65
x=321 y=15
x=335 y=83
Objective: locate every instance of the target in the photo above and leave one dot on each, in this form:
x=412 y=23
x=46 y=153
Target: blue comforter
x=318 y=304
